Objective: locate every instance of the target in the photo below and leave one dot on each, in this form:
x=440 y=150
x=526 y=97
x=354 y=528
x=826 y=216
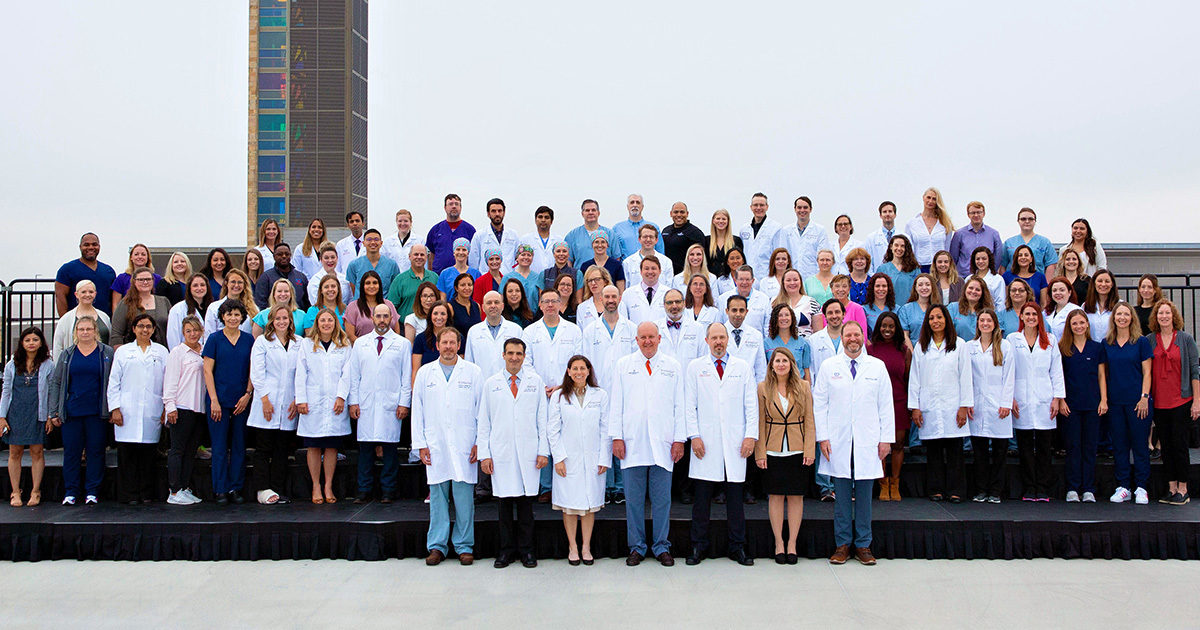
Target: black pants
x=734 y=511
x=524 y=538
x=681 y=483
x=1033 y=449
x=944 y=470
x=270 y=460
x=135 y=471
x=1173 y=426
x=185 y=436
x=989 y=464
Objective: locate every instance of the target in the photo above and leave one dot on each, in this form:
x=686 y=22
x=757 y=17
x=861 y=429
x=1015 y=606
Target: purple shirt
x=966 y=239
x=440 y=242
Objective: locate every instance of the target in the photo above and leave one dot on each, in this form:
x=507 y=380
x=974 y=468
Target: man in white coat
x=648 y=238
x=803 y=239
x=550 y=343
x=494 y=236
x=721 y=407
x=646 y=423
x=855 y=424
x=682 y=338
x=542 y=240
x=513 y=446
x=758 y=305
x=826 y=343
x=747 y=341
x=880 y=240
x=758 y=236
x=485 y=340
x=643 y=302
x=445 y=399
x=377 y=384
x=606 y=340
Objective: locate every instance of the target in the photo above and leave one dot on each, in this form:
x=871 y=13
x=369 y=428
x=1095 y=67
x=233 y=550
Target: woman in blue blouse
x=1019 y=292
x=900 y=264
x=227 y=379
x=975 y=298
x=881 y=298
x=1024 y=268
x=783 y=333
x=912 y=314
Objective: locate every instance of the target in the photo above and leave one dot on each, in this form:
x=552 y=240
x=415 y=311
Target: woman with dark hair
x=516 y=305
x=1175 y=379
x=881 y=298
x=195 y=304
x=783 y=333
x=698 y=301
x=23 y=410
x=425 y=348
x=215 y=267
x=1083 y=242
x=135 y=396
x=992 y=373
x=1038 y=391
x=887 y=345
x=786 y=448
x=1062 y=301
x=358 y=312
x=466 y=312
x=1019 y=292
x=1148 y=294
x=1084 y=378
x=227 y=379
x=565 y=285
x=1102 y=298
x=139 y=299
x=975 y=298
x=415 y=322
x=581 y=450
x=307 y=257
x=78 y=403
x=254 y=265
x=1024 y=266
x=983 y=266
x=912 y=313
x=941 y=393
x=269 y=235
x=734 y=259
x=901 y=266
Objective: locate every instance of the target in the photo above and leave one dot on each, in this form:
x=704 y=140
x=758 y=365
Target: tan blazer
x=797 y=423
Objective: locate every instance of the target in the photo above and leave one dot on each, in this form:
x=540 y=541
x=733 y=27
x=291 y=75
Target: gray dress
x=23 y=425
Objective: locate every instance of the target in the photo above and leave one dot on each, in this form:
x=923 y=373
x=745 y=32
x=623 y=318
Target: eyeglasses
x=143 y=279
x=670 y=302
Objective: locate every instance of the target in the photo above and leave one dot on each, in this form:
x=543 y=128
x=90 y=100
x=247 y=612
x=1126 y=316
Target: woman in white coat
x=940 y=392
x=1062 y=302
x=273 y=413
x=1038 y=391
x=992 y=374
x=578 y=435
x=324 y=420
x=135 y=398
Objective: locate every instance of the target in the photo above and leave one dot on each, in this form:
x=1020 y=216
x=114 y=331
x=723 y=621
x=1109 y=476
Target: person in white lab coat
x=804 y=238
x=827 y=343
x=758 y=304
x=721 y=410
x=135 y=398
x=512 y=448
x=1038 y=392
x=648 y=238
x=992 y=374
x=682 y=336
x=855 y=425
x=747 y=343
x=273 y=413
x=377 y=384
x=579 y=441
x=646 y=423
x=445 y=408
x=550 y=342
x=494 y=236
x=643 y=301
x=609 y=338
x=758 y=236
x=324 y=420
x=940 y=394
x=485 y=340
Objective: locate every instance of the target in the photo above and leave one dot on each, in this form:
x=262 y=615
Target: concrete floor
x=718 y=593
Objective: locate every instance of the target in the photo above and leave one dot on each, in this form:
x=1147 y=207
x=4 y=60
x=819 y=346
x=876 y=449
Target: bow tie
x=675 y=325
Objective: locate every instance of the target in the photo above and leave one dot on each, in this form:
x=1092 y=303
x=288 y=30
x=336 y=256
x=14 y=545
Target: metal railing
x=1181 y=288
x=26 y=302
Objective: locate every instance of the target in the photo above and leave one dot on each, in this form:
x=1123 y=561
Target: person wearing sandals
x=23 y=410
x=941 y=394
x=324 y=420
x=78 y=404
x=135 y=398
x=273 y=413
x=577 y=430
x=183 y=402
x=786 y=447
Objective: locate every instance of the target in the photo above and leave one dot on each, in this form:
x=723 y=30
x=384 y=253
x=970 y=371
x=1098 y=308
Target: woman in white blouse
x=931 y=230
x=184 y=400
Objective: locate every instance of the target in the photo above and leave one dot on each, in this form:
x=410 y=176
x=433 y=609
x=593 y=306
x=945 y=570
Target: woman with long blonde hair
x=282 y=292
x=324 y=422
x=931 y=230
x=694 y=264
x=173 y=284
x=721 y=238
x=992 y=375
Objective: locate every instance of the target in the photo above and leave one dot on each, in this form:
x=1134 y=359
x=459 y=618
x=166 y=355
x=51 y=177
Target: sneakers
x=178 y=498
x=1043 y=498
x=619 y=498
x=1089 y=497
x=91 y=500
x=68 y=500
x=187 y=492
x=1140 y=496
x=1122 y=495
x=203 y=453
x=980 y=498
x=992 y=498
x=1072 y=497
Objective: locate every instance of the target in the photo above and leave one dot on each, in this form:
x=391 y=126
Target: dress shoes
x=840 y=555
x=528 y=561
x=502 y=561
x=466 y=559
x=434 y=558
x=695 y=558
x=741 y=558
x=665 y=559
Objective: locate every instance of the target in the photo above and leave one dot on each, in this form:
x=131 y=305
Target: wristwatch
x=1145 y=395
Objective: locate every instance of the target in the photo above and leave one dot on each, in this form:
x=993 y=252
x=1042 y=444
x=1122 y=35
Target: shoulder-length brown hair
x=1066 y=345
x=908 y=261
x=567 y=389
x=1176 y=317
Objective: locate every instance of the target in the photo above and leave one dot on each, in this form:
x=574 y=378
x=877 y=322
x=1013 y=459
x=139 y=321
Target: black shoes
x=749 y=499
x=980 y=498
x=686 y=497
x=222 y=499
x=528 y=561
x=236 y=497
x=741 y=558
x=695 y=558
x=792 y=558
x=781 y=558
x=1175 y=499
x=827 y=496
x=502 y=561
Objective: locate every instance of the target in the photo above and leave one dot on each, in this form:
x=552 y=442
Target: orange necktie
x=512 y=380
x=648 y=370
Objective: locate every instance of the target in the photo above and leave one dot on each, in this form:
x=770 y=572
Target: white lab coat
x=586 y=313
x=804 y=247
x=1037 y=380
x=939 y=382
x=854 y=415
x=543 y=255
x=212 y=324
x=392 y=248
x=708 y=315
x=877 y=245
x=486 y=351
x=346 y=254
x=822 y=348
x=839 y=254
x=135 y=386
x=1057 y=322
x=512 y=432
x=318 y=374
x=685 y=344
x=549 y=356
x=637 y=309
x=378 y=383
x=444 y=415
x=759 y=248
x=678 y=282
x=758 y=307
x=646 y=410
x=631 y=266
x=307 y=265
x=578 y=437
x=273 y=374
x=175 y=318
x=722 y=412
x=993 y=389
x=769 y=285
x=603 y=350
x=751 y=350
x=314 y=285
x=485 y=239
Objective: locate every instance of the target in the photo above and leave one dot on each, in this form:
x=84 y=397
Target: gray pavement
x=717 y=594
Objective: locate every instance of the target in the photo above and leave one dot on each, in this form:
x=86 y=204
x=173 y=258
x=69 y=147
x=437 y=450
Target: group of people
x=615 y=365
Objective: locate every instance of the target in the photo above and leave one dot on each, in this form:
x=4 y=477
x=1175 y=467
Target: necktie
x=737 y=336
x=720 y=369
x=512 y=384
x=357 y=245
x=889 y=235
x=853 y=368
x=379 y=345
x=675 y=325
x=650 y=294
x=648 y=370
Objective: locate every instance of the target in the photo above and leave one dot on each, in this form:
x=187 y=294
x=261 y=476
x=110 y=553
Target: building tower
x=308 y=113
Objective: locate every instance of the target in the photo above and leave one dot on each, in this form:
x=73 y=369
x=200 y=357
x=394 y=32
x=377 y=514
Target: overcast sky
x=129 y=118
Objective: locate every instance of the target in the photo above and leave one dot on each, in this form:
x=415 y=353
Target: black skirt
x=333 y=441
x=787 y=475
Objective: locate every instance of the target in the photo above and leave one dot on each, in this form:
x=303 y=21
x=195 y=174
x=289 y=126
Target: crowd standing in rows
x=611 y=365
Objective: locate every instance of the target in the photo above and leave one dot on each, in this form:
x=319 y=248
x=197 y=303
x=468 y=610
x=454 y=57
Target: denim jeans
x=614 y=479
x=463 y=536
x=657 y=482
x=852 y=518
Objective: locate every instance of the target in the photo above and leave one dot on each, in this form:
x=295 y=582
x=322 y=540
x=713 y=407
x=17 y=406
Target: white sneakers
x=1122 y=495
x=188 y=493
x=1072 y=497
x=91 y=500
x=1088 y=497
x=183 y=497
x=1141 y=497
x=68 y=500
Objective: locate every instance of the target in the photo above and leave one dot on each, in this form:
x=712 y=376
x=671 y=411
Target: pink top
x=361 y=322
x=854 y=313
x=183 y=383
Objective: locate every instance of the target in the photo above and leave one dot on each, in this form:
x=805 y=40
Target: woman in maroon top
x=1174 y=378
x=887 y=345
